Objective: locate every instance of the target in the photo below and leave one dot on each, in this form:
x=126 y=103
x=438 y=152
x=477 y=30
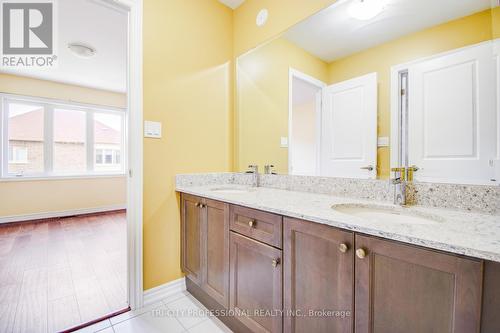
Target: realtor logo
x=28 y=34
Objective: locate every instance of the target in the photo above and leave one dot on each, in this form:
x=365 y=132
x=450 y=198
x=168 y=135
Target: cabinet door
x=215 y=254
x=256 y=287
x=318 y=275
x=402 y=288
x=191 y=237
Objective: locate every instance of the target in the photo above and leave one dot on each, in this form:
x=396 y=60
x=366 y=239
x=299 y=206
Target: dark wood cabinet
x=318 y=275
x=191 y=237
x=205 y=245
x=328 y=280
x=215 y=251
x=256 y=284
x=262 y=226
x=403 y=288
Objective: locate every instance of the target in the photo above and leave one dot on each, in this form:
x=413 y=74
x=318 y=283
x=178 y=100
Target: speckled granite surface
x=473 y=198
x=481 y=199
x=472 y=234
x=206 y=179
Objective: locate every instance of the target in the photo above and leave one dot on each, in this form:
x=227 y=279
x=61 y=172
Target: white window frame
x=49 y=105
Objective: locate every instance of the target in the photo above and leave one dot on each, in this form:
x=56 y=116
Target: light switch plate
x=383 y=141
x=152 y=129
x=284 y=142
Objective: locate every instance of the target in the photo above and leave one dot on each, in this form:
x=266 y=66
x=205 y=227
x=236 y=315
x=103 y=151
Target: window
x=107 y=157
x=107 y=141
x=25 y=138
x=70 y=155
x=50 y=138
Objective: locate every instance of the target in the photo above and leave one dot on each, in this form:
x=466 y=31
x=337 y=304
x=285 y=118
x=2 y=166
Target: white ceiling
x=93 y=23
x=333 y=34
x=232 y=3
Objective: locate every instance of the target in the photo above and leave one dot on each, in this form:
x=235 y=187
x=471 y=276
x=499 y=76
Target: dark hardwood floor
x=60 y=273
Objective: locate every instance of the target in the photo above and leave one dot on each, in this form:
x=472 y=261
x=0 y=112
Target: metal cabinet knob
x=368 y=167
x=276 y=262
x=343 y=248
x=361 y=253
x=251 y=223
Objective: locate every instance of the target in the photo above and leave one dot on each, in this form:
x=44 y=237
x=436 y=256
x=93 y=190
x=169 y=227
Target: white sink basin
x=387 y=214
x=233 y=189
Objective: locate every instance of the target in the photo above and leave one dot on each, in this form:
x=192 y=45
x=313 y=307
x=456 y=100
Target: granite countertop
x=471 y=234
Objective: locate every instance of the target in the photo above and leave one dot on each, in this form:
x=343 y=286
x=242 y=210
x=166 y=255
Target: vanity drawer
x=261 y=226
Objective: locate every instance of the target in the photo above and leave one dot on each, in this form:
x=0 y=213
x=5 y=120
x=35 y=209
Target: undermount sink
x=232 y=189
x=389 y=214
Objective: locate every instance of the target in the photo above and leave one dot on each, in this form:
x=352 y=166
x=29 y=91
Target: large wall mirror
x=368 y=85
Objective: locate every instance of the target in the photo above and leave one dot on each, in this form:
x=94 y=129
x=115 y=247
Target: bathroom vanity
x=355 y=114
x=287 y=261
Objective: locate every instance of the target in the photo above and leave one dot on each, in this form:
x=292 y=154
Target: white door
x=452 y=116
x=349 y=129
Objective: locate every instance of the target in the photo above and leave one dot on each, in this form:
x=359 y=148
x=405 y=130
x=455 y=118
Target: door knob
x=368 y=167
x=361 y=253
x=343 y=248
x=276 y=262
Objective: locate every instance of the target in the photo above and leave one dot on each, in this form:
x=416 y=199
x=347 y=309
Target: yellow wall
x=465 y=31
x=282 y=15
x=188 y=87
x=262 y=107
x=30 y=197
x=495 y=22
x=32 y=87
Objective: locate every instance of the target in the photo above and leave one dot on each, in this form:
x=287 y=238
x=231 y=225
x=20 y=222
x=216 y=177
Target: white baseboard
x=63 y=213
x=166 y=290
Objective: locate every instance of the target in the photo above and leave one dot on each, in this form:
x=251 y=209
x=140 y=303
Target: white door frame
x=135 y=151
x=293 y=73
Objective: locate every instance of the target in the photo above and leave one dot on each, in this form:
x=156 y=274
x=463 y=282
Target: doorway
x=305 y=103
x=67 y=238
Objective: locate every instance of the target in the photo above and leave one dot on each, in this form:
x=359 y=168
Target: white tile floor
x=180 y=313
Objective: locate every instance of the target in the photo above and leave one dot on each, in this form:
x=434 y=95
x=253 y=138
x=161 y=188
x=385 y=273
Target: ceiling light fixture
x=262 y=17
x=81 y=50
x=366 y=9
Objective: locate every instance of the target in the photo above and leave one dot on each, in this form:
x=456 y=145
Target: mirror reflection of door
x=333 y=129
x=452 y=120
x=349 y=128
x=305 y=117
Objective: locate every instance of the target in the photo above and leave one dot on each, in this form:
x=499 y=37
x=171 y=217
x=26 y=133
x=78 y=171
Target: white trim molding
x=62 y=213
x=164 y=291
x=135 y=151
